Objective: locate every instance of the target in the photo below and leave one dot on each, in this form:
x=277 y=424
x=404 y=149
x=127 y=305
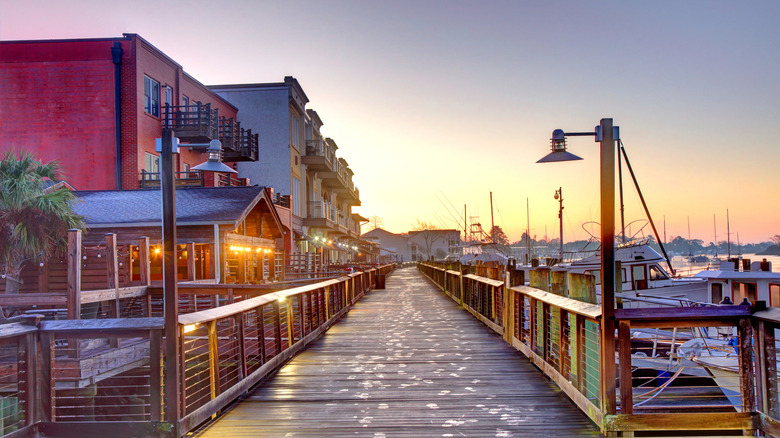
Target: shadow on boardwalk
x=405 y=362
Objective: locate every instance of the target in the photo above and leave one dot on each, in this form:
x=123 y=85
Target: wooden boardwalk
x=405 y=362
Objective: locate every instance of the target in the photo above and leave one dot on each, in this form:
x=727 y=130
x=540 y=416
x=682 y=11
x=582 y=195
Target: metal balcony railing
x=151 y=180
x=194 y=122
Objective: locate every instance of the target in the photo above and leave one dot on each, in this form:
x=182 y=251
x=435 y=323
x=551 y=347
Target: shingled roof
x=194 y=206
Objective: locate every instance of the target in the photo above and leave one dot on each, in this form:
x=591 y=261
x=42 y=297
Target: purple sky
x=450 y=98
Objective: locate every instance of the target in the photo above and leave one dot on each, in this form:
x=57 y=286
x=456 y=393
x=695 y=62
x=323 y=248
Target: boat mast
x=728 y=233
x=715 y=227
x=492 y=224
x=620 y=186
x=690 y=252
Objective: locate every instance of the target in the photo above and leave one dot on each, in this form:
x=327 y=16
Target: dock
x=406 y=361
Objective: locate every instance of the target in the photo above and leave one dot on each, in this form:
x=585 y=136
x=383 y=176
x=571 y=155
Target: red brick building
x=97 y=106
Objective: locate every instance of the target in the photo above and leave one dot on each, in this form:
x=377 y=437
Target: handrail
x=561 y=335
x=204 y=316
x=570 y=305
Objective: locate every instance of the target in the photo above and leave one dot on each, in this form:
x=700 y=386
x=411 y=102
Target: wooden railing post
x=508 y=310
x=144 y=261
x=74 y=274
x=155 y=374
x=213 y=359
x=745 y=334
x=241 y=338
x=624 y=358
x=190 y=248
x=290 y=322
x=277 y=327
x=261 y=333
x=112 y=270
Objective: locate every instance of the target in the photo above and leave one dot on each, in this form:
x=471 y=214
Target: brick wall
x=59 y=104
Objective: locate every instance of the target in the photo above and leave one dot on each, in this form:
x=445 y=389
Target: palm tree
x=33 y=219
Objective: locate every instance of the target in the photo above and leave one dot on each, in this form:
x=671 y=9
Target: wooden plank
x=95 y=296
x=31 y=299
x=405 y=371
x=683 y=313
x=485 y=280
x=682 y=421
x=92 y=326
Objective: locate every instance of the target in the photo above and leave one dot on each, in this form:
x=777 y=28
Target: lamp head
x=214 y=163
x=558 y=149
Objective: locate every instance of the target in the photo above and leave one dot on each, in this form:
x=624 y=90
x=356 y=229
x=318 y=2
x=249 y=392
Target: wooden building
x=224 y=234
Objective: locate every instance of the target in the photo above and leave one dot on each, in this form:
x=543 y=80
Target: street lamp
x=167 y=146
x=606 y=135
x=559 y=198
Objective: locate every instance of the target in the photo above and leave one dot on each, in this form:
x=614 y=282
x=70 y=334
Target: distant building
x=97 y=105
x=418 y=245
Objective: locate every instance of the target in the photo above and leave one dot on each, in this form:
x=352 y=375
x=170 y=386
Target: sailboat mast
x=492 y=224
x=465 y=226
x=664 y=229
x=690 y=252
x=715 y=227
x=728 y=233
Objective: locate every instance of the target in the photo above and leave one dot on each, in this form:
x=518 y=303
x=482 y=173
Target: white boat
x=642 y=275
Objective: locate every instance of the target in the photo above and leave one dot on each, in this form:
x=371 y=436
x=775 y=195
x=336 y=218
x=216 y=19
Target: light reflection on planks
x=405 y=362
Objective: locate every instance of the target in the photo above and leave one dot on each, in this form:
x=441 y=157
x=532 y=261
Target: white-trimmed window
x=152 y=165
x=151 y=96
x=296 y=195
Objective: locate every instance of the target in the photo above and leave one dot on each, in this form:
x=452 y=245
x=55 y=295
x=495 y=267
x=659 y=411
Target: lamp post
x=167 y=146
x=605 y=134
x=559 y=197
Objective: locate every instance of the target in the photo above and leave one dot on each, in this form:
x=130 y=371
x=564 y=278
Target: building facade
x=299 y=162
x=97 y=106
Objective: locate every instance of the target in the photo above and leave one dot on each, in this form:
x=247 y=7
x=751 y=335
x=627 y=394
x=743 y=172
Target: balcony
x=238 y=144
x=321 y=215
x=319 y=156
x=197 y=122
x=230 y=180
x=151 y=180
x=281 y=200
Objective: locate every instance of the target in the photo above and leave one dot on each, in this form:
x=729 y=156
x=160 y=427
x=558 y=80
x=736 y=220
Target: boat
x=642 y=275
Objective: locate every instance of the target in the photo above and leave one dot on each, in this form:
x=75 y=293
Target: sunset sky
x=439 y=102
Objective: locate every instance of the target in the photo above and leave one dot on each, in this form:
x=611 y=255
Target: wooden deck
x=405 y=362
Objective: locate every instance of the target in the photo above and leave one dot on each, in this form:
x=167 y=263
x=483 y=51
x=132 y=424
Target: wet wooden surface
x=405 y=362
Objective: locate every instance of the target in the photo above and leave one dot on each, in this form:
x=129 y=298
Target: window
x=774 y=295
x=294 y=122
x=296 y=194
x=717 y=292
x=152 y=165
x=740 y=290
x=151 y=96
x=185 y=101
x=657 y=274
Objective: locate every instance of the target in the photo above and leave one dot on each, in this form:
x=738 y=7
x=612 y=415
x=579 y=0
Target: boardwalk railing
x=663 y=384
x=104 y=377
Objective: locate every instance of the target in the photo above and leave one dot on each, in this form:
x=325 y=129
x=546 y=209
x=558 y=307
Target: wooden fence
x=103 y=377
x=560 y=334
